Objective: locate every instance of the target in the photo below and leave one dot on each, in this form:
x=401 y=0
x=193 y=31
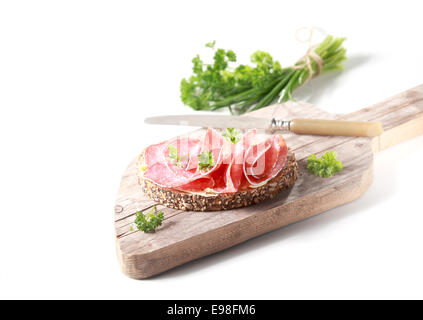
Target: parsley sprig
x=148 y=222
x=246 y=88
x=173 y=155
x=231 y=135
x=326 y=166
x=205 y=160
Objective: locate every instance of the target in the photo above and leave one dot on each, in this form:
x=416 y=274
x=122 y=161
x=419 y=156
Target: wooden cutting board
x=185 y=236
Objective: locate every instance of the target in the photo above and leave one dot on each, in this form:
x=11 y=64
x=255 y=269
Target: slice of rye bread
x=178 y=199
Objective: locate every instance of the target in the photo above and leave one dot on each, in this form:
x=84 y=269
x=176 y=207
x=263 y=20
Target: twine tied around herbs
x=309 y=56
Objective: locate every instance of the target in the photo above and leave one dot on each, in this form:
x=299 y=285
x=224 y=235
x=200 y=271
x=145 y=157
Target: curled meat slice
x=183 y=171
x=264 y=161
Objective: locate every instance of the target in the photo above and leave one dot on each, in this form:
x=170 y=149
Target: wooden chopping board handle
x=401 y=117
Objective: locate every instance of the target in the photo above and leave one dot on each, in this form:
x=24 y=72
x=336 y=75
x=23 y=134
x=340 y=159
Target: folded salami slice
x=213 y=142
x=181 y=171
x=234 y=175
x=163 y=170
x=264 y=161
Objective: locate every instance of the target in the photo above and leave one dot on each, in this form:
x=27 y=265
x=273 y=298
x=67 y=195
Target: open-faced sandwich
x=216 y=171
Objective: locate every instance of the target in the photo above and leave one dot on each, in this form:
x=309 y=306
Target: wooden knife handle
x=336 y=127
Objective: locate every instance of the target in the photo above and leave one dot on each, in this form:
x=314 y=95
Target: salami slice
x=167 y=172
x=234 y=173
x=183 y=172
x=264 y=161
x=212 y=142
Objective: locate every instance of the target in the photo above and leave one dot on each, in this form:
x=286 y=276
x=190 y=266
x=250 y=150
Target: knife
x=299 y=126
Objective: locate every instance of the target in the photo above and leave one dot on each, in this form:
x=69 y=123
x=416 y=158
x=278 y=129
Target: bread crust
x=181 y=200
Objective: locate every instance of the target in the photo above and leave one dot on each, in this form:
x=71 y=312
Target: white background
x=78 y=77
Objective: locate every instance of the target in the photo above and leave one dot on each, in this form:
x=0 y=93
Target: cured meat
x=213 y=142
x=162 y=170
x=236 y=166
x=263 y=161
x=234 y=173
x=187 y=151
x=184 y=174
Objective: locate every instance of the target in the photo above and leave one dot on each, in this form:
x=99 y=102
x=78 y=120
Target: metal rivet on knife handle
x=280 y=125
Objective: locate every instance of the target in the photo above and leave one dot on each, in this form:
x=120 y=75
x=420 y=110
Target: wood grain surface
x=185 y=235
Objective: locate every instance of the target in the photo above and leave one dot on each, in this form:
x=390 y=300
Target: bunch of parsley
x=149 y=221
x=247 y=88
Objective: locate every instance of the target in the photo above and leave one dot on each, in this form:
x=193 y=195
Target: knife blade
x=214 y=121
x=299 y=126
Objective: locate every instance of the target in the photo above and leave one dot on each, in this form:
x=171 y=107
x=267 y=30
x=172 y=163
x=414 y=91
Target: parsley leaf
x=231 y=135
x=211 y=44
x=205 y=160
x=148 y=222
x=173 y=155
x=326 y=166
